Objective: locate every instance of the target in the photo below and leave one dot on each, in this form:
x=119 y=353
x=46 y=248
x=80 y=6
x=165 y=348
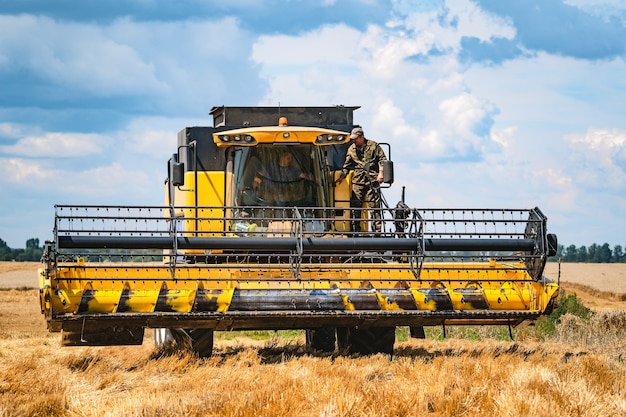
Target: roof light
x=330 y=138
x=238 y=138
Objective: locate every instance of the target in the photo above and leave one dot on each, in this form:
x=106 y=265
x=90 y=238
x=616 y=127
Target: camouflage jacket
x=365 y=161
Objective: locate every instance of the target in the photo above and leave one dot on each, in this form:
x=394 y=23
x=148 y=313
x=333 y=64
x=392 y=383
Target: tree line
x=32 y=252
x=593 y=254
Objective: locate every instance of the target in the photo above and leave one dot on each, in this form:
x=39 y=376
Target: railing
x=279 y=237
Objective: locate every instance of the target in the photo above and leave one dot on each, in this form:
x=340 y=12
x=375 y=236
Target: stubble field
x=581 y=371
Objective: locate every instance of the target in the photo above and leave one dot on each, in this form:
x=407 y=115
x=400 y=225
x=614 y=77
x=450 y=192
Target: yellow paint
x=142 y=301
x=210 y=199
x=181 y=300
x=279 y=134
x=141 y=285
x=104 y=301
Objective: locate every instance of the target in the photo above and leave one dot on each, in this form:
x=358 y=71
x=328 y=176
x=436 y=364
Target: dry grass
x=7 y=266
x=18 y=274
x=580 y=372
x=603 y=277
x=453 y=378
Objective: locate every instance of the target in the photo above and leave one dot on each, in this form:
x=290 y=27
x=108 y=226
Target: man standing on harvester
x=365 y=157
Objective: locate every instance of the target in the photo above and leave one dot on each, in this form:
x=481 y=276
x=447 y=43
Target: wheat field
x=581 y=371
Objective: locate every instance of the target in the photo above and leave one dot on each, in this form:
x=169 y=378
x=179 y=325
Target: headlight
x=238 y=138
x=330 y=138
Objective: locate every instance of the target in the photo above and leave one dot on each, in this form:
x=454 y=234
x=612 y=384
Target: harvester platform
x=118 y=270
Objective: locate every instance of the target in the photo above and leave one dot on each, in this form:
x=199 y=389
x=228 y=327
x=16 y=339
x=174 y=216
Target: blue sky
x=486 y=103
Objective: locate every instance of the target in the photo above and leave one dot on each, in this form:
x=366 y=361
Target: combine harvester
x=226 y=252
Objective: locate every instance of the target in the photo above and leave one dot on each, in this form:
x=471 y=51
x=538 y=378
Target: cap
x=356 y=132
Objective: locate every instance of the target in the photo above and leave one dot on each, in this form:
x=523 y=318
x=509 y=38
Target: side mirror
x=388 y=172
x=177 y=171
x=178 y=174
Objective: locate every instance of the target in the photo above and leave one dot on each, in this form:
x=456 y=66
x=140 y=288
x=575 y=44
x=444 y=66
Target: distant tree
x=582 y=255
x=5 y=251
x=603 y=254
x=32 y=243
x=570 y=254
x=618 y=254
x=32 y=252
x=592 y=251
x=19 y=255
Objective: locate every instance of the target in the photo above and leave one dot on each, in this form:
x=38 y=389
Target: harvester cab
x=267 y=166
x=256 y=233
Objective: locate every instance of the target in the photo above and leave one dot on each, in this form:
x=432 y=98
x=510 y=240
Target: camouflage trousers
x=370 y=195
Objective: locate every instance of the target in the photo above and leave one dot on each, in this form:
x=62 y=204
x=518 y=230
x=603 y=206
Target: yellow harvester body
x=229 y=250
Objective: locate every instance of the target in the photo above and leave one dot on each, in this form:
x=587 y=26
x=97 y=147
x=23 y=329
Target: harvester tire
x=417 y=332
x=322 y=339
x=199 y=341
x=163 y=338
x=367 y=341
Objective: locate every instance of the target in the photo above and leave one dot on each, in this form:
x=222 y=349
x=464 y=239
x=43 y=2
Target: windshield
x=279 y=175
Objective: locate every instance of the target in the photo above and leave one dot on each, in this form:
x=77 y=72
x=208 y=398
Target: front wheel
x=198 y=341
x=321 y=339
x=366 y=341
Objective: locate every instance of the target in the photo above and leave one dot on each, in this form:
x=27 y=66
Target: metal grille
x=287 y=241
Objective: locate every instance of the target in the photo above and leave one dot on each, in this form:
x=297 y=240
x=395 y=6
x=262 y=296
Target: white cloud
x=431 y=145
x=382 y=53
x=176 y=64
x=459 y=127
x=10 y=130
x=329 y=46
x=504 y=136
x=603 y=141
x=154 y=137
x=554 y=178
x=598 y=158
x=426 y=107
x=466 y=114
x=75 y=54
x=475 y=22
x=25 y=172
x=388 y=117
x=108 y=183
x=606 y=9
x=58 y=145
x=449 y=82
x=445 y=23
